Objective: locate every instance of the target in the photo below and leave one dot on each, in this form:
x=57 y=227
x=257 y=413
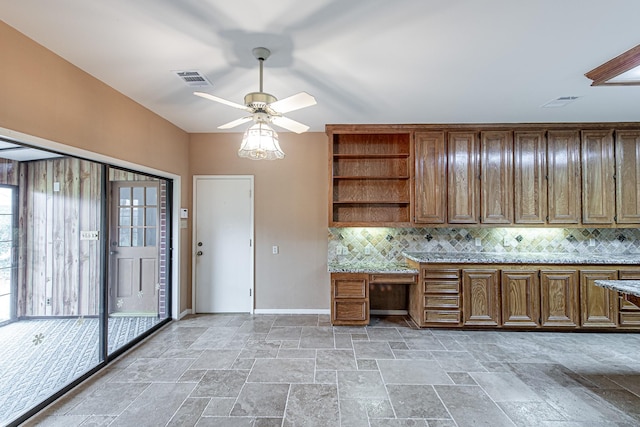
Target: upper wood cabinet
x=530 y=177
x=496 y=177
x=628 y=177
x=598 y=187
x=563 y=175
x=431 y=178
x=370 y=179
x=563 y=148
x=463 y=185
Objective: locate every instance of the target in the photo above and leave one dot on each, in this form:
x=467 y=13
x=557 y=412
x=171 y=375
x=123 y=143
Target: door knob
x=113 y=253
x=199 y=253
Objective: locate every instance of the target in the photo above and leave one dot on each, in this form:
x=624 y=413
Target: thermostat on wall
x=184 y=213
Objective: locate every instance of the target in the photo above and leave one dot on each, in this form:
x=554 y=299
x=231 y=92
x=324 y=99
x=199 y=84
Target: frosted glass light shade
x=260 y=142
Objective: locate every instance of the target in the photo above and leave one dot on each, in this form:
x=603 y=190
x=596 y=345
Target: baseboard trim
x=291 y=311
x=184 y=313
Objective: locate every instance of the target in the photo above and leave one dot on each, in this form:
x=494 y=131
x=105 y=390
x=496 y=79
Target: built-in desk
x=355 y=287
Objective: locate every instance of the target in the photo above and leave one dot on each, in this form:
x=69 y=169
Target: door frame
x=194 y=228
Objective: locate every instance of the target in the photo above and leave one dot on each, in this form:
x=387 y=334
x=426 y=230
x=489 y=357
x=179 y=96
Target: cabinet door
x=598 y=306
x=431 y=181
x=520 y=290
x=496 y=177
x=463 y=186
x=530 y=183
x=628 y=177
x=349 y=299
x=598 y=187
x=480 y=296
x=563 y=159
x=559 y=298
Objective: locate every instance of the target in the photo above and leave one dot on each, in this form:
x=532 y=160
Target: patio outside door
x=133 y=248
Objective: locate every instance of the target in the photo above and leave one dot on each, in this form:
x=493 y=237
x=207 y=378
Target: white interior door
x=223 y=244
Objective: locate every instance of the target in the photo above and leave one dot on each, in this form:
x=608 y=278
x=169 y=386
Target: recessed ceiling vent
x=560 y=102
x=193 y=78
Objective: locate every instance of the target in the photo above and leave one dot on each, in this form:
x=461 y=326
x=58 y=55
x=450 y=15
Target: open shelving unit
x=370 y=179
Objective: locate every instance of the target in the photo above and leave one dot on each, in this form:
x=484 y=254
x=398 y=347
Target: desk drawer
x=441 y=286
x=350 y=288
x=393 y=278
x=441 y=273
x=442 y=316
x=442 y=301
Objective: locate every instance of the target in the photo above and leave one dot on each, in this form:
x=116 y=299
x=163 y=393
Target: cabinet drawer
x=442 y=316
x=443 y=273
x=442 y=301
x=441 y=287
x=628 y=306
x=350 y=288
x=630 y=319
x=350 y=311
x=393 y=278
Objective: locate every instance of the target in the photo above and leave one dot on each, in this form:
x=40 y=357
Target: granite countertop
x=369 y=267
x=631 y=287
x=521 y=258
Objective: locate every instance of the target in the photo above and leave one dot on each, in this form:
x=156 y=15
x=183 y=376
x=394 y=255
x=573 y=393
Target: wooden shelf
x=370 y=178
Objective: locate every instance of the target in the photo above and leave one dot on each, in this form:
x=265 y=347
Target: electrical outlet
x=592 y=242
x=275 y=250
x=367 y=250
x=48 y=302
x=478 y=241
x=506 y=242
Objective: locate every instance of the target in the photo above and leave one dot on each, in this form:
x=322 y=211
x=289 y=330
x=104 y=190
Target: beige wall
x=45 y=96
x=290 y=211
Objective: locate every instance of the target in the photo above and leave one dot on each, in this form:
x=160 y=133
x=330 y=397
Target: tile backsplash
x=380 y=245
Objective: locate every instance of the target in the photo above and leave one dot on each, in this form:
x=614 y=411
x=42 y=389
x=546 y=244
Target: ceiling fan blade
x=235 y=123
x=294 y=102
x=289 y=124
x=222 y=101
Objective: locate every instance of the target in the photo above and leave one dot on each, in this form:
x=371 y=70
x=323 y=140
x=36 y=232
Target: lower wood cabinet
x=559 y=299
x=349 y=299
x=480 y=297
x=628 y=313
x=520 y=290
x=436 y=301
x=524 y=297
x=598 y=306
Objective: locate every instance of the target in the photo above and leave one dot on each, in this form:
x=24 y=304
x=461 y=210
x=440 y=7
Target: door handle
x=113 y=253
x=199 y=253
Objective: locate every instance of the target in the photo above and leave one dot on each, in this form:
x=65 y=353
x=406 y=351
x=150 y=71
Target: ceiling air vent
x=193 y=78
x=560 y=102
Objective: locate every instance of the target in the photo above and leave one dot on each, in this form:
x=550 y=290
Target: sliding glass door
x=7 y=253
x=84 y=270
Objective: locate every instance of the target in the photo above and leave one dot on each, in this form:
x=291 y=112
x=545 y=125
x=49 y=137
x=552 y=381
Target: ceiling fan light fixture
x=260 y=142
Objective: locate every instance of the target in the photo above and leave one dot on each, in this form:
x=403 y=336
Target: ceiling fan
x=264 y=107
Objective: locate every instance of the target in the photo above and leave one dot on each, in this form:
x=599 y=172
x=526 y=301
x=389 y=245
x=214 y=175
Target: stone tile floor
x=298 y=370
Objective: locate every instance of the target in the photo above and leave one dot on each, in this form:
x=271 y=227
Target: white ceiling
x=365 y=61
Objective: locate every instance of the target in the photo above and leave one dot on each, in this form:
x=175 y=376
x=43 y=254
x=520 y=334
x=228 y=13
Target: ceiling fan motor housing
x=259 y=100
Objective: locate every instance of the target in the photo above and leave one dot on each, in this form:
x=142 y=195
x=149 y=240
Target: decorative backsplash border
x=386 y=245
